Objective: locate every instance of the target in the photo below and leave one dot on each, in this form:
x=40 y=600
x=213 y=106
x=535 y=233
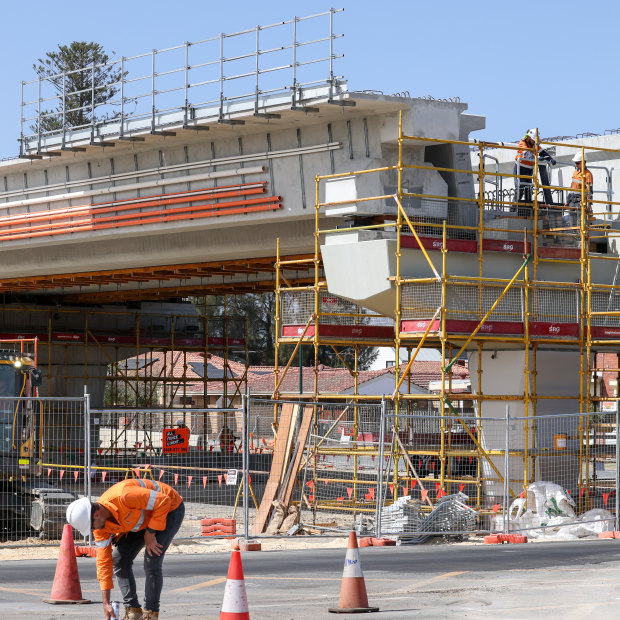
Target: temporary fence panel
x=572 y=491
x=323 y=471
x=343 y=474
x=431 y=473
x=283 y=467
x=44 y=458
x=198 y=452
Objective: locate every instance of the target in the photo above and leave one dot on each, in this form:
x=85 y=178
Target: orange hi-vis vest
x=577 y=179
x=135 y=504
x=523 y=156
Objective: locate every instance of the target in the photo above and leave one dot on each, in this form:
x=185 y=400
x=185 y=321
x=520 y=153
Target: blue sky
x=553 y=66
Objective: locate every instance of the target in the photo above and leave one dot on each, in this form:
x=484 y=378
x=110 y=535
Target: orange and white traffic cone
x=235 y=603
x=353 y=597
x=66 y=588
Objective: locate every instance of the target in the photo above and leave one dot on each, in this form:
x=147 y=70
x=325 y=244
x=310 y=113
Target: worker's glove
x=553 y=162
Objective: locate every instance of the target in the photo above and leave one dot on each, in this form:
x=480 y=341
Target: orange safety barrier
x=90 y=552
x=185 y=213
x=498 y=539
x=218 y=527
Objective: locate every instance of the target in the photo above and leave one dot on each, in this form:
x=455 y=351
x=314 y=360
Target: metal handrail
x=33 y=114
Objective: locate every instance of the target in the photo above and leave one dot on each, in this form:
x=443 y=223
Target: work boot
x=132 y=613
x=149 y=615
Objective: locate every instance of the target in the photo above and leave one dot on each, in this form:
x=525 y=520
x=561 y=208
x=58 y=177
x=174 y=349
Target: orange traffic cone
x=235 y=603
x=66 y=588
x=353 y=597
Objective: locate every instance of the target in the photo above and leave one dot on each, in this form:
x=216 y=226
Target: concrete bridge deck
x=193 y=210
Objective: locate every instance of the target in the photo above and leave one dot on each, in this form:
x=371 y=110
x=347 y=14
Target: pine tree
x=73 y=70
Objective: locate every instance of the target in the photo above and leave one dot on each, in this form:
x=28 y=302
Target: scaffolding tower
x=556 y=299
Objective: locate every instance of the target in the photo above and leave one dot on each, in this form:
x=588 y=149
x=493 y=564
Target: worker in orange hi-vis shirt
x=131 y=515
x=524 y=166
x=581 y=176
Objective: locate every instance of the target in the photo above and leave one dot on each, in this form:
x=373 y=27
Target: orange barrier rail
x=135 y=203
x=106 y=215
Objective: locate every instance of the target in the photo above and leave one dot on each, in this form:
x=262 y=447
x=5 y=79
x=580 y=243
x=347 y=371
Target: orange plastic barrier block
x=90 y=552
x=516 y=538
x=497 y=539
x=364 y=542
x=218 y=527
x=383 y=542
x=218 y=521
x=207 y=529
x=607 y=535
x=493 y=539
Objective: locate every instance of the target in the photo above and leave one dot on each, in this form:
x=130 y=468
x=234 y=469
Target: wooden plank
x=277 y=466
x=289 y=443
x=302 y=437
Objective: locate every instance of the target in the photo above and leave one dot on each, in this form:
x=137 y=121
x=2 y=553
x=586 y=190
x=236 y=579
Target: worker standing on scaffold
x=573 y=201
x=524 y=166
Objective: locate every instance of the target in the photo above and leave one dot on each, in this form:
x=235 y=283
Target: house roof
x=261 y=379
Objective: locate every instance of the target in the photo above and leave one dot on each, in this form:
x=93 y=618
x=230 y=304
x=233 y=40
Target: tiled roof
x=261 y=379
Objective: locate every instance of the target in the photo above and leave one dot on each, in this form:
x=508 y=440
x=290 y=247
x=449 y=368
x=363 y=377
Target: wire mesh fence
x=287 y=467
x=337 y=317
x=199 y=452
x=44 y=457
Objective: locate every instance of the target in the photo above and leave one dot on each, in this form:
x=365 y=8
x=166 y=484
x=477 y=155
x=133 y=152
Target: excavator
x=28 y=506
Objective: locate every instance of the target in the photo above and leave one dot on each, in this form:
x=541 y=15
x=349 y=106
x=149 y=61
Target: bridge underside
x=161 y=282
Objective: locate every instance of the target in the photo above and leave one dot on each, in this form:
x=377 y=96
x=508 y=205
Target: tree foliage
x=73 y=70
x=260 y=312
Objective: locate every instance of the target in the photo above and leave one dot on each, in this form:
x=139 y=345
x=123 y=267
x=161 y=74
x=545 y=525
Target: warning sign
x=175 y=440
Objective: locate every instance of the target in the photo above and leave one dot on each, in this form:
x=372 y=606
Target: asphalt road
x=575 y=580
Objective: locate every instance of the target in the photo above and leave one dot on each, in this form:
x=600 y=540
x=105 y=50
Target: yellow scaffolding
x=545 y=241
x=134 y=353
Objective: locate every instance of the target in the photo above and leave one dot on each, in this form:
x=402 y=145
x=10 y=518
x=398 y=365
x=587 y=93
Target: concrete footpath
x=573 y=580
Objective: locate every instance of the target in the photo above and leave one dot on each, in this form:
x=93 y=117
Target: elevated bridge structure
x=377 y=219
x=173 y=189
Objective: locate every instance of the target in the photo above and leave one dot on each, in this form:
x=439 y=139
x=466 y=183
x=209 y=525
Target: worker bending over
x=130 y=515
x=524 y=166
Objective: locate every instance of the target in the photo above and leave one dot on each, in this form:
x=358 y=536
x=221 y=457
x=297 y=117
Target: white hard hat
x=577 y=157
x=78 y=515
x=532 y=133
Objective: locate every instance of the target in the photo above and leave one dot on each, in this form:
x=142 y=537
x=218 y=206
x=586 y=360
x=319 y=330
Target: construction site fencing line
x=272 y=468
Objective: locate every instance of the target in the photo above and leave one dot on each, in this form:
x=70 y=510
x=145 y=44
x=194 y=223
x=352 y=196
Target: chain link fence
x=316 y=468
x=44 y=456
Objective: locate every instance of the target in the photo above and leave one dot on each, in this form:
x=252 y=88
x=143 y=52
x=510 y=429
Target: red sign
x=175 y=440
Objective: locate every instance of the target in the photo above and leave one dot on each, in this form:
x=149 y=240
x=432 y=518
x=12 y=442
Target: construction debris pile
x=548 y=512
x=450 y=514
x=283 y=518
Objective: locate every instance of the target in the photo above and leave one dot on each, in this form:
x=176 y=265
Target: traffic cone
x=235 y=603
x=66 y=589
x=353 y=597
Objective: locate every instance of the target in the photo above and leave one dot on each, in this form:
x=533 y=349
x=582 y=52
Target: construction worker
x=573 y=200
x=130 y=515
x=524 y=166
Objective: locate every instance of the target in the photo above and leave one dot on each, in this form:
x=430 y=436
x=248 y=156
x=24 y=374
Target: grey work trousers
x=125 y=552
